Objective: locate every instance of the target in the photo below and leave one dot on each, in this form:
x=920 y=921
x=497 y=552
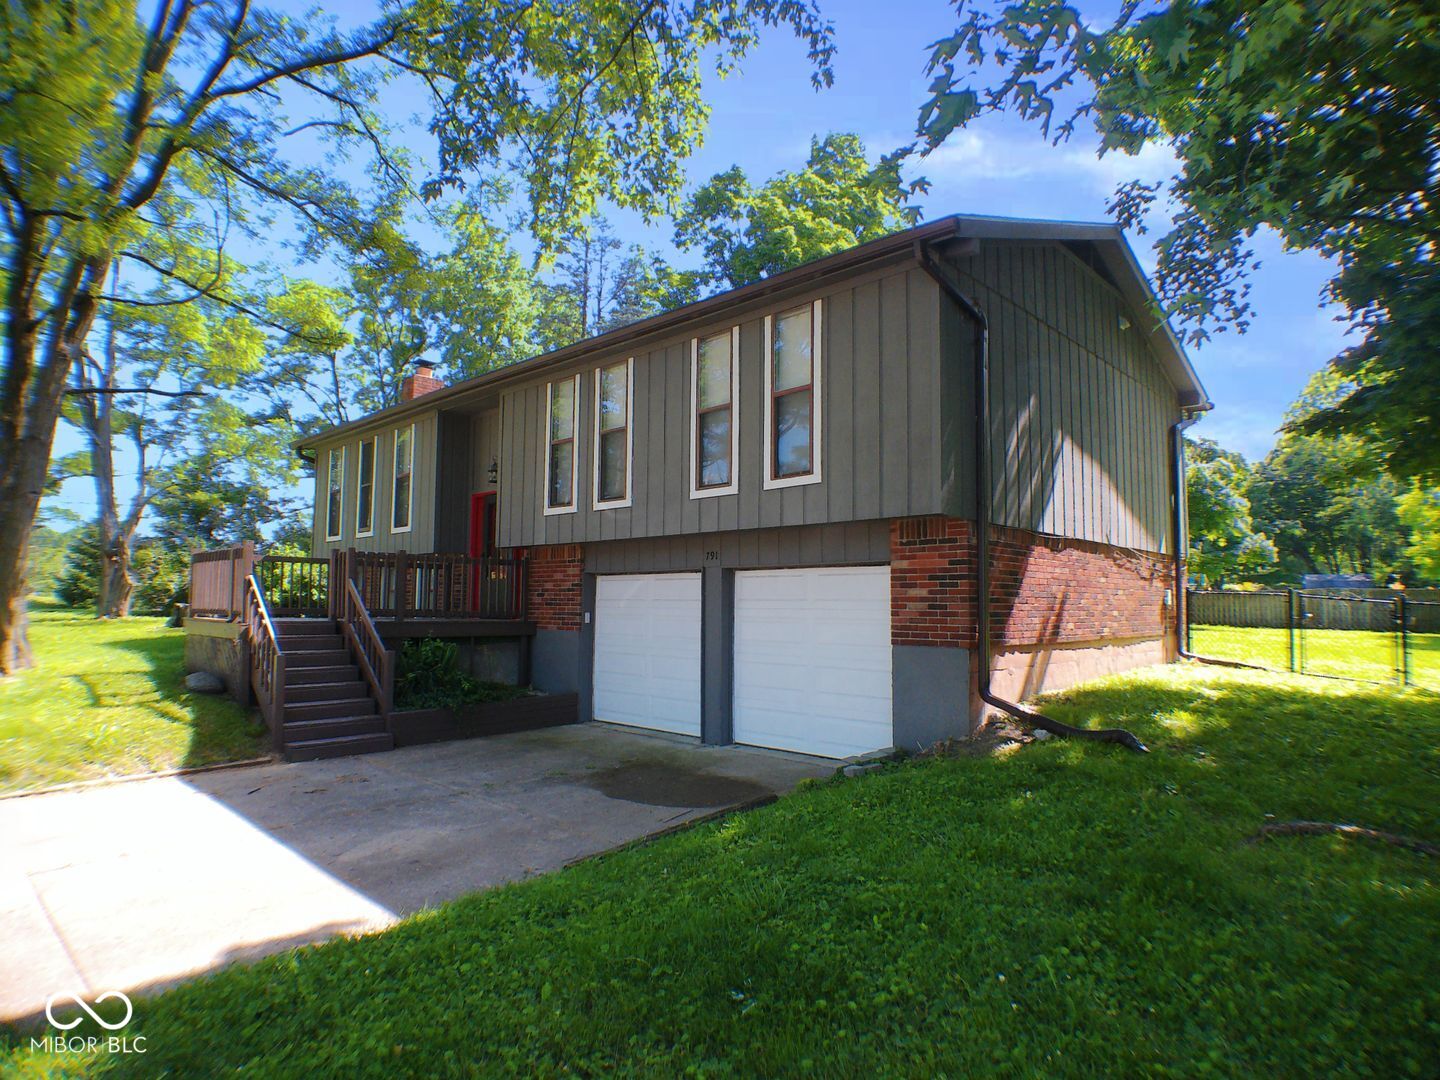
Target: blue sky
x=765 y=114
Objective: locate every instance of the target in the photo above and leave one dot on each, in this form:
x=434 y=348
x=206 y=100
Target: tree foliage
x=1420 y=513
x=1224 y=542
x=118 y=136
x=1317 y=119
x=839 y=199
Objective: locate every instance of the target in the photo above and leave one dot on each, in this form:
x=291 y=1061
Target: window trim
x=395 y=477
x=817 y=411
x=628 y=499
x=329 y=477
x=374 y=442
x=697 y=490
x=546 y=444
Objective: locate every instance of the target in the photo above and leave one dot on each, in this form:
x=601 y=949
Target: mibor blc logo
x=89 y=1044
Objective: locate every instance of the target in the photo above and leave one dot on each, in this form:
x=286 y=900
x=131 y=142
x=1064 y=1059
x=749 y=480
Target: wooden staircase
x=328 y=709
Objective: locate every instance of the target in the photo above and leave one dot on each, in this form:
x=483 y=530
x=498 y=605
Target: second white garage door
x=647 y=651
x=812 y=660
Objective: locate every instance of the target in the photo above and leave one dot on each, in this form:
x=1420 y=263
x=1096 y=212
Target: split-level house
x=753 y=519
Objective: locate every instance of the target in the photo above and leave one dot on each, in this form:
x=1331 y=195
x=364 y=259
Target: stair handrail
x=267 y=660
x=375 y=661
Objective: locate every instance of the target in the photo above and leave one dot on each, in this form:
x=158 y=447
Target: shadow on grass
x=220 y=729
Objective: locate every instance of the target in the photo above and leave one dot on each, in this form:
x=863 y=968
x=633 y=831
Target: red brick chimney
x=421 y=383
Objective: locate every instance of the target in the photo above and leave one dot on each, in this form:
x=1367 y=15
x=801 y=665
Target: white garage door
x=647 y=651
x=812 y=659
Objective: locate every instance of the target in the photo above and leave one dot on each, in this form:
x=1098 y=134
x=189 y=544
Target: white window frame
x=628 y=500
x=374 y=442
x=394 y=478
x=574 y=443
x=330 y=456
x=817 y=403
x=733 y=487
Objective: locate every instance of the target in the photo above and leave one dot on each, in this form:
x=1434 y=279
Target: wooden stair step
x=326 y=710
x=317 y=658
x=346 y=746
x=318 y=675
x=332 y=728
x=347 y=688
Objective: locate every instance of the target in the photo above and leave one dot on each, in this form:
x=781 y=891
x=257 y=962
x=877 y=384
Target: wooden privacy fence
x=217 y=580
x=1375 y=611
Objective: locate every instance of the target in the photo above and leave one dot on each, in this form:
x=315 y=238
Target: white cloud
x=978 y=154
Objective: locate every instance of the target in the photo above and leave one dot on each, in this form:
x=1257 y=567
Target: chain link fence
x=1392 y=639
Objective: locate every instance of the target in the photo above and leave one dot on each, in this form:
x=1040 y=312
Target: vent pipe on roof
x=982 y=523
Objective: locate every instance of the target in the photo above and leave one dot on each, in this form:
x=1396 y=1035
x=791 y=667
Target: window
x=402 y=498
x=560 y=446
x=365 y=490
x=335 y=492
x=792 y=397
x=714 y=430
x=612 y=434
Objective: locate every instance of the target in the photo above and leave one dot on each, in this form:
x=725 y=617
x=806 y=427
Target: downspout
x=1181 y=540
x=982 y=523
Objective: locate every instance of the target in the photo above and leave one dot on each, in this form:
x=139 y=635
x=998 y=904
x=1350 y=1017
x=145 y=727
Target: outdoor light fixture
x=494 y=473
x=1124 y=322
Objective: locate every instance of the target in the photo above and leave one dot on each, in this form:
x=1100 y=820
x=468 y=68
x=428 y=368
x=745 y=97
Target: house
x=753 y=519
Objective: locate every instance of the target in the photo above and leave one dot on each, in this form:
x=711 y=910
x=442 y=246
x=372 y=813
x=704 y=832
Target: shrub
x=428 y=676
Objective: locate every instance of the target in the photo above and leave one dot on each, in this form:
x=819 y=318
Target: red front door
x=482 y=537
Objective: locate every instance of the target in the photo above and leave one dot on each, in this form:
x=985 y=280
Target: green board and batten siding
x=1080 y=412
x=421 y=536
x=879 y=355
x=1080 y=415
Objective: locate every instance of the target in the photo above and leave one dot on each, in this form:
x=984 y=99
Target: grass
x=1346 y=654
x=106 y=698
x=1065 y=909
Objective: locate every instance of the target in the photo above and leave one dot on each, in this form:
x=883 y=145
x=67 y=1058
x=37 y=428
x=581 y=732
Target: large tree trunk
x=116 y=585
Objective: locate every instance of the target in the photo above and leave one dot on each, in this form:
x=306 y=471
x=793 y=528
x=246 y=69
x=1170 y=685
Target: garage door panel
x=647 y=651
x=812 y=660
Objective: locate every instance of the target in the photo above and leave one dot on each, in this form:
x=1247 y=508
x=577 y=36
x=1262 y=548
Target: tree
x=1314 y=118
x=110 y=125
x=161 y=364
x=1324 y=500
x=836 y=201
x=599 y=285
x=1224 y=544
x=1419 y=510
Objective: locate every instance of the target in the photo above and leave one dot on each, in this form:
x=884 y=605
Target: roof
x=1108 y=239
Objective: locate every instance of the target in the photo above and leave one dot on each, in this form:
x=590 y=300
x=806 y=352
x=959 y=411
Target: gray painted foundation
x=492 y=659
x=931 y=695
x=555 y=664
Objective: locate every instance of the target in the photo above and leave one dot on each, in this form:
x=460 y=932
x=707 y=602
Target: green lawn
x=1349 y=654
x=106 y=698
x=1064 y=909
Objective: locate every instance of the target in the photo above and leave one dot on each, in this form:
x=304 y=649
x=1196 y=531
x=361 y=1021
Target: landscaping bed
x=411 y=727
x=1056 y=909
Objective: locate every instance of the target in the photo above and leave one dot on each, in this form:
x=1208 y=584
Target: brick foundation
x=553 y=586
x=1062 y=610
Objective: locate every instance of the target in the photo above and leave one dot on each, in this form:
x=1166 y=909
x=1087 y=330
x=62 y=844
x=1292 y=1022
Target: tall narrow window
x=560 y=446
x=334 y=492
x=402 y=499
x=612 y=435
x=792 y=397
x=365 y=489
x=715 y=390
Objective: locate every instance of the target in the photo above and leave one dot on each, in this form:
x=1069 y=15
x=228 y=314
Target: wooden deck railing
x=375 y=661
x=400 y=586
x=267 y=661
x=295 y=585
x=217 y=580
x=392 y=585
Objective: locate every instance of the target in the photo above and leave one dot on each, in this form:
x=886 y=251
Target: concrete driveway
x=137 y=885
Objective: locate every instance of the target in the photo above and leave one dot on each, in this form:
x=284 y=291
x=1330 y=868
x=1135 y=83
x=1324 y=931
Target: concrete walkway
x=138 y=885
